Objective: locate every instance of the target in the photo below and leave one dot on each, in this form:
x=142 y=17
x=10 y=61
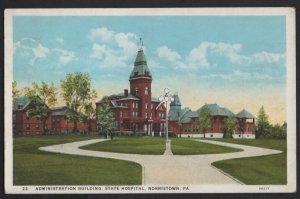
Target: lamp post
x=167 y=97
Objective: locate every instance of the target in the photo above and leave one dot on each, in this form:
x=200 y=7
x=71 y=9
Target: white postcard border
x=291 y=99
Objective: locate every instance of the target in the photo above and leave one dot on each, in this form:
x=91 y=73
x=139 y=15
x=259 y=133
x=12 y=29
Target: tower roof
x=176 y=101
x=244 y=114
x=140 y=66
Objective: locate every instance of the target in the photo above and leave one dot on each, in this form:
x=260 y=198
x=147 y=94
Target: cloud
x=118 y=52
x=59 y=40
x=30 y=51
x=198 y=56
x=102 y=34
x=65 y=56
x=167 y=53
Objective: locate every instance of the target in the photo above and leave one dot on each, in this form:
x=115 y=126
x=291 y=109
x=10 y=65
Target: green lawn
x=34 y=167
x=271 y=169
x=182 y=146
x=133 y=145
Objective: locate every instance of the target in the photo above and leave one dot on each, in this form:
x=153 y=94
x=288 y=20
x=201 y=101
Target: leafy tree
x=277 y=131
x=89 y=113
x=204 y=119
x=41 y=97
x=105 y=116
x=262 y=124
x=15 y=92
x=77 y=93
x=230 y=124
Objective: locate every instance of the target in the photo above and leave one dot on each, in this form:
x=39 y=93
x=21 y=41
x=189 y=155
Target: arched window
x=146 y=91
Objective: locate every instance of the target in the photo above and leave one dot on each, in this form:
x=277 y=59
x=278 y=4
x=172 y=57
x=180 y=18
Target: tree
x=89 y=113
x=41 y=97
x=204 y=119
x=262 y=124
x=105 y=116
x=15 y=92
x=230 y=125
x=77 y=93
x=277 y=131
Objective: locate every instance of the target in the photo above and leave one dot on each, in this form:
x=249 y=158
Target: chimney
x=126 y=92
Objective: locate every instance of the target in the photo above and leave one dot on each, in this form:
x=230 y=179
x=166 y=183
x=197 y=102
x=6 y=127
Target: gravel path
x=168 y=168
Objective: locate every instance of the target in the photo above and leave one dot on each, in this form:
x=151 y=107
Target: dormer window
x=146 y=91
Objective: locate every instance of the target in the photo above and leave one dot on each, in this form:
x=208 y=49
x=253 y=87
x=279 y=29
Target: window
x=37 y=127
x=135 y=73
x=27 y=127
x=136 y=113
x=121 y=114
x=146 y=105
x=162 y=115
x=146 y=91
x=136 y=91
x=151 y=106
x=136 y=105
x=159 y=115
x=133 y=105
x=133 y=113
x=150 y=115
x=146 y=115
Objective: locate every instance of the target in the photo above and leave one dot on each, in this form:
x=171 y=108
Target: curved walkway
x=168 y=168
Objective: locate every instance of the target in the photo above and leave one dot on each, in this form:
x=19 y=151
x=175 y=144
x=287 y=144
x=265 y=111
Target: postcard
x=154 y=100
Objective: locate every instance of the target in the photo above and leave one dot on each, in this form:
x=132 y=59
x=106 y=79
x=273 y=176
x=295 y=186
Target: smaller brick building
x=24 y=125
x=185 y=122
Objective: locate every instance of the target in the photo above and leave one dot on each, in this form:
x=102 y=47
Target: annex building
x=185 y=122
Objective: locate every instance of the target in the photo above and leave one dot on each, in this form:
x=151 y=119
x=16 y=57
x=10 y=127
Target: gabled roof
x=116 y=105
x=129 y=96
x=119 y=96
x=228 y=112
x=140 y=66
x=244 y=114
x=179 y=115
x=215 y=110
x=59 y=111
x=23 y=102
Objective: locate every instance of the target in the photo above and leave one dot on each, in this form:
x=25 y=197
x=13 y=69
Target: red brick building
x=185 y=122
x=136 y=111
x=24 y=125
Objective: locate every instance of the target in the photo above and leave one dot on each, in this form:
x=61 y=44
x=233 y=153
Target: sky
x=235 y=61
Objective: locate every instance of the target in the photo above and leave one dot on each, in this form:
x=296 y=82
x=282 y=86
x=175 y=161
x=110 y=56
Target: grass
x=34 y=167
x=132 y=145
x=264 y=170
x=182 y=146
